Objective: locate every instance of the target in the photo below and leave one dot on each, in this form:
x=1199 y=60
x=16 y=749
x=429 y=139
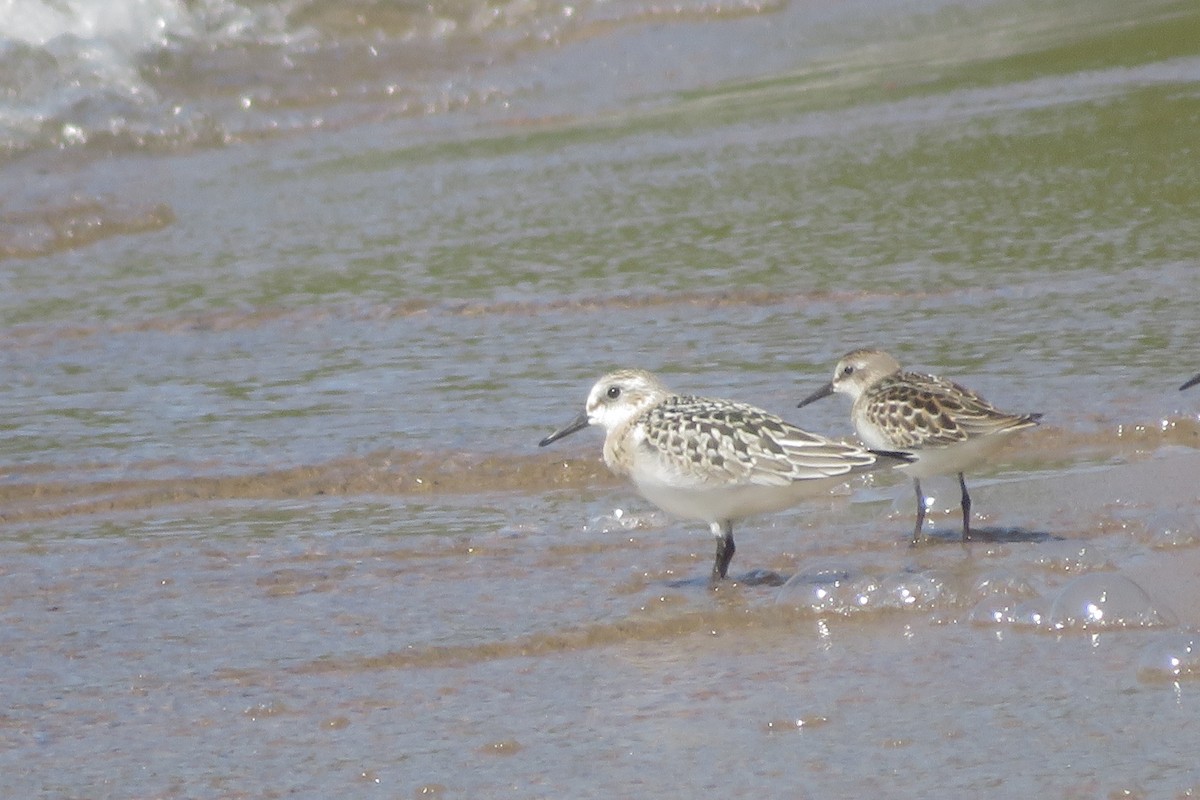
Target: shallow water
x=288 y=295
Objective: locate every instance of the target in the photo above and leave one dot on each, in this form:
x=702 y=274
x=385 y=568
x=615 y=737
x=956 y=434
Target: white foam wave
x=159 y=74
x=78 y=69
x=137 y=26
x=134 y=25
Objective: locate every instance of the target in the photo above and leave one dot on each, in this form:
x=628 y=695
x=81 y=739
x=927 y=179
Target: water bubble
x=621 y=520
x=1032 y=613
x=999 y=609
x=1002 y=583
x=1070 y=557
x=1105 y=600
x=1002 y=600
x=918 y=590
x=1171 y=659
x=992 y=610
x=1171 y=528
x=842 y=589
x=836 y=589
x=826 y=571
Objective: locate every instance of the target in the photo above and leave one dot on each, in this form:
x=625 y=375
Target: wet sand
x=32 y=492
x=289 y=295
x=278 y=615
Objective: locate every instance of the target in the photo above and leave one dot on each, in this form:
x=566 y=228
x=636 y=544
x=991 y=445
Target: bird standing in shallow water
x=717 y=461
x=947 y=426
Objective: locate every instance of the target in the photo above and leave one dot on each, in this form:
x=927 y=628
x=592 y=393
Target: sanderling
x=1192 y=381
x=717 y=461
x=947 y=426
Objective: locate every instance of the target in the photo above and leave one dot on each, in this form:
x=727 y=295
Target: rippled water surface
x=290 y=290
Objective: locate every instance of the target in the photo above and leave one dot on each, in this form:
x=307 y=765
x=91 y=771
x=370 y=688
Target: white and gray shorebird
x=947 y=426
x=717 y=461
x=1190 y=382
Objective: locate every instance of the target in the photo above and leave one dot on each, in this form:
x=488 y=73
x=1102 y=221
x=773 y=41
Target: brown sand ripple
x=647 y=626
x=75 y=223
x=242 y=319
x=27 y=495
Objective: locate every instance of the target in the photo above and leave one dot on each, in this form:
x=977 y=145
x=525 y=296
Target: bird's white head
x=856 y=372
x=622 y=396
x=615 y=400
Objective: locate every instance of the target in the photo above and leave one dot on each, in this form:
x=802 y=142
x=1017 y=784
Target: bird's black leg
x=920 y=512
x=725 y=551
x=966 y=507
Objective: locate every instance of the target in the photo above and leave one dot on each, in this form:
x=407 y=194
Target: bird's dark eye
x=614 y=392
x=848 y=370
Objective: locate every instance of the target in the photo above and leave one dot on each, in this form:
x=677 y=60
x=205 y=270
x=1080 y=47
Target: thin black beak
x=1190 y=383
x=577 y=424
x=824 y=391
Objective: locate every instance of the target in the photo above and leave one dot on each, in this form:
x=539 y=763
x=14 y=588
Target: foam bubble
x=135 y=23
x=1003 y=610
x=1003 y=599
x=1177 y=527
x=1105 y=600
x=1070 y=557
x=621 y=520
x=1003 y=583
x=993 y=610
x=841 y=589
x=1031 y=613
x=1172 y=658
x=829 y=588
x=916 y=590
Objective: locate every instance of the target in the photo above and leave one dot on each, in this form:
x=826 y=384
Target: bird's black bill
x=903 y=456
x=577 y=424
x=1190 y=383
x=824 y=391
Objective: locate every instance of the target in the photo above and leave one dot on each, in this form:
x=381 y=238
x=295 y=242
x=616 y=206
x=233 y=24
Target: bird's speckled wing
x=721 y=441
x=918 y=410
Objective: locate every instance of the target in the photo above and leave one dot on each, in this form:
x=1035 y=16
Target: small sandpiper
x=717 y=461
x=947 y=426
